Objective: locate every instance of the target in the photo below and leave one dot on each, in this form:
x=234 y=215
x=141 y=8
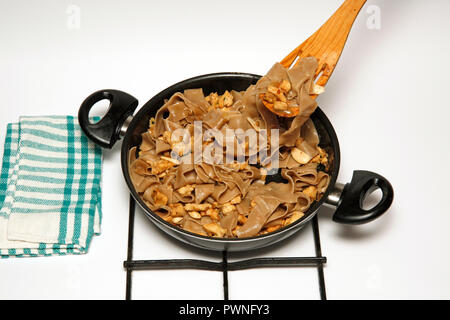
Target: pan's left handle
x=107 y=131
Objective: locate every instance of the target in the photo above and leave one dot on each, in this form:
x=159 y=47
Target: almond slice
x=300 y=156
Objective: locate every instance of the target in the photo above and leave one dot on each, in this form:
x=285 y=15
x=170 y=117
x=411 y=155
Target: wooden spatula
x=326 y=44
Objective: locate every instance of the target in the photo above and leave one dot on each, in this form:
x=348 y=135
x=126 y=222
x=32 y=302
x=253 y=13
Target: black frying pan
x=120 y=122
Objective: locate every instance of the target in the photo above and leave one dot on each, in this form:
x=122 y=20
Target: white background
x=387 y=99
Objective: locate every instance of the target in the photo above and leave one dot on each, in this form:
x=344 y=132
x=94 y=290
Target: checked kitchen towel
x=50 y=188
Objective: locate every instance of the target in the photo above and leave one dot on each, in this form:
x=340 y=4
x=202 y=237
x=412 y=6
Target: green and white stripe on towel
x=50 y=188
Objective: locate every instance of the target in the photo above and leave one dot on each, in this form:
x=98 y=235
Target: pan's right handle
x=348 y=199
x=107 y=131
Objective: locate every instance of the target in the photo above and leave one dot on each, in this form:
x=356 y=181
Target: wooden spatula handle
x=327 y=43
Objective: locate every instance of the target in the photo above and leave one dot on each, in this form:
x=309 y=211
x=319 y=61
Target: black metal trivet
x=318 y=261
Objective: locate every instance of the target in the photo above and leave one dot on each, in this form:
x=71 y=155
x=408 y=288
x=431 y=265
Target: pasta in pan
x=205 y=163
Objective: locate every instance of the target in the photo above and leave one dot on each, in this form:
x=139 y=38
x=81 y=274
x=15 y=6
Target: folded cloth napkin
x=50 y=188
